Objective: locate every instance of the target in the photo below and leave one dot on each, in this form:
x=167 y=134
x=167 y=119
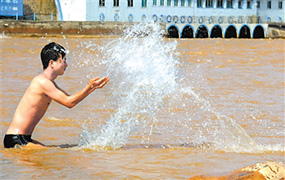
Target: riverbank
x=13 y=28
x=29 y=28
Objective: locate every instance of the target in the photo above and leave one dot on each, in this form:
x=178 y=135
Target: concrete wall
x=60 y=28
x=276 y=30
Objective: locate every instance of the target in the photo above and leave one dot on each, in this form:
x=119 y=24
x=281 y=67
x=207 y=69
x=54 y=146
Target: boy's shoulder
x=40 y=81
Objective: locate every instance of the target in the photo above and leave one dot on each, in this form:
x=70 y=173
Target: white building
x=178 y=13
x=153 y=10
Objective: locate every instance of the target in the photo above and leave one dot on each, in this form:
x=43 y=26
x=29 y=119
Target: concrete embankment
x=59 y=28
x=276 y=30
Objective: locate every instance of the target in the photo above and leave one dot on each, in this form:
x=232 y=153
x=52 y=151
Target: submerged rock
x=260 y=171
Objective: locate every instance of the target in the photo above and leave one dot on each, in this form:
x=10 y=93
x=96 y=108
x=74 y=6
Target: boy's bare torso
x=31 y=108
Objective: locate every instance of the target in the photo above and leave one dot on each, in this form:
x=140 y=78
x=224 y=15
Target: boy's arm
x=61 y=89
x=51 y=90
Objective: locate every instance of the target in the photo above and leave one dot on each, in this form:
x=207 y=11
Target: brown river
x=173 y=108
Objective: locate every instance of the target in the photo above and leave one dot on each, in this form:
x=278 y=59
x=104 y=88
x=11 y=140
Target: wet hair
x=51 y=52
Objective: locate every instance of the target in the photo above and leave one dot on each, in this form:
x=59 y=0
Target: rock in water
x=270 y=170
x=260 y=171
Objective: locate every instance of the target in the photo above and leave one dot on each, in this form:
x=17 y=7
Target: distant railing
x=35 y=17
x=220 y=19
x=168 y=19
x=174 y=19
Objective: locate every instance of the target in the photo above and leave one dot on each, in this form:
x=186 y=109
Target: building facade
x=162 y=10
x=180 y=15
x=183 y=10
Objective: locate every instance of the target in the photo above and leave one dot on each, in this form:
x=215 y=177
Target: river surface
x=173 y=108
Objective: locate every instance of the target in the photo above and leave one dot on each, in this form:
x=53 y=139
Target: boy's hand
x=97 y=83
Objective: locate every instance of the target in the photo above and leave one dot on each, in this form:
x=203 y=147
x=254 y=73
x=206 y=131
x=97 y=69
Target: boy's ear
x=51 y=62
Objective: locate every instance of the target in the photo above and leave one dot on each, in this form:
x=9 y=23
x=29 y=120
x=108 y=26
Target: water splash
x=229 y=135
x=143 y=72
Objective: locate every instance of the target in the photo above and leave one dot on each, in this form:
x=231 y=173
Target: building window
x=190 y=3
x=154 y=2
x=268 y=4
x=199 y=3
x=168 y=2
x=144 y=3
x=130 y=3
x=258 y=4
x=280 y=4
x=102 y=3
x=175 y=2
x=230 y=3
x=219 y=3
x=116 y=3
x=161 y=2
x=182 y=2
x=209 y=3
x=240 y=3
x=248 y=4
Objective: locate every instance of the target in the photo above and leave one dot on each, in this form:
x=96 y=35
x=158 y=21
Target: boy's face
x=60 y=65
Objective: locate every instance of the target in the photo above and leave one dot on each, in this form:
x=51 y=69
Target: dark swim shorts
x=10 y=140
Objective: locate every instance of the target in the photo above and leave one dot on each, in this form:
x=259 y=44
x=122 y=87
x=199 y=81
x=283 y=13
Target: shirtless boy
x=39 y=95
